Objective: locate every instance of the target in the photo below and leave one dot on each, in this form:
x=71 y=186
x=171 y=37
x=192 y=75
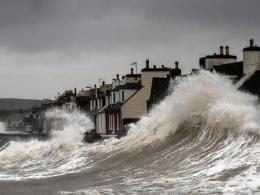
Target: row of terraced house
x=127 y=99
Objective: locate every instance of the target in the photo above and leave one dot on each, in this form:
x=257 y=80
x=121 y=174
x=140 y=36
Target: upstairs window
x=114 y=98
x=123 y=96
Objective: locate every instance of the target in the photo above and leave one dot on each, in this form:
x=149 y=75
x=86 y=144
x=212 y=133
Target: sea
x=203 y=138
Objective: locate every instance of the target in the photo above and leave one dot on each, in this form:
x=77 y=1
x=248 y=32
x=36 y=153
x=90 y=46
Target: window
x=100 y=103
x=109 y=121
x=123 y=96
x=114 y=98
x=118 y=128
x=112 y=119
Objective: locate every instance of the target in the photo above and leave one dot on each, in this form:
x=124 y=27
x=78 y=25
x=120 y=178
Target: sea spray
x=68 y=126
x=64 y=153
x=209 y=96
x=202 y=139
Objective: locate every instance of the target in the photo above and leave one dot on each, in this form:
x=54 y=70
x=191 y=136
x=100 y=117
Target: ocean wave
x=203 y=138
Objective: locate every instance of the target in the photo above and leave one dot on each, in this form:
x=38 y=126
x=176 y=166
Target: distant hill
x=19 y=104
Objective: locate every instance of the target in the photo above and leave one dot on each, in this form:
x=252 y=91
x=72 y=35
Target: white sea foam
x=221 y=158
x=64 y=153
x=202 y=139
x=209 y=96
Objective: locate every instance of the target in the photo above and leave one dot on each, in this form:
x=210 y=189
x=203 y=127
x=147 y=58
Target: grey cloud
x=112 y=33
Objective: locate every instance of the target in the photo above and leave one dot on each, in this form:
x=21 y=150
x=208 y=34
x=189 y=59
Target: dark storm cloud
x=41 y=36
x=32 y=25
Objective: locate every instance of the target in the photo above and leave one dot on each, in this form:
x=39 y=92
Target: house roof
x=114 y=106
x=252 y=84
x=155 y=69
x=159 y=87
x=175 y=72
x=220 y=56
x=133 y=75
x=129 y=86
x=252 y=48
x=235 y=68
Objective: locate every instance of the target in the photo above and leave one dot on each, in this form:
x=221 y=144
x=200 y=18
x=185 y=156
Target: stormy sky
x=48 y=46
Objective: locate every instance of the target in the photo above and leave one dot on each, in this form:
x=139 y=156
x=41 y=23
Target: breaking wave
x=62 y=154
x=202 y=139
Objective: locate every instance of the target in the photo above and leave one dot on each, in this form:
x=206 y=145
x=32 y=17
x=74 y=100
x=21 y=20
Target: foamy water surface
x=202 y=139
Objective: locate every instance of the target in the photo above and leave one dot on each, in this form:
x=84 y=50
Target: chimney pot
x=123 y=77
x=176 y=65
x=227 y=50
x=132 y=71
x=103 y=82
x=154 y=66
x=117 y=77
x=162 y=66
x=221 y=50
x=147 y=63
x=252 y=44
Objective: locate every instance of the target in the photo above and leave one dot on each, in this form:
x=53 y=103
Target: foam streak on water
x=202 y=139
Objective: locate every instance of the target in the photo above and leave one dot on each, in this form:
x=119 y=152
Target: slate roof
x=252 y=48
x=129 y=86
x=158 y=91
x=175 y=72
x=252 y=85
x=133 y=75
x=116 y=106
x=233 y=69
x=159 y=86
x=221 y=56
x=151 y=69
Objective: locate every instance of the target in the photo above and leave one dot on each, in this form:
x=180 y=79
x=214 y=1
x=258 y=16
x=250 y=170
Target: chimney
x=162 y=66
x=75 y=91
x=154 y=66
x=252 y=44
x=132 y=71
x=123 y=77
x=176 y=65
x=221 y=50
x=147 y=63
x=103 y=82
x=227 y=50
x=117 y=77
x=95 y=88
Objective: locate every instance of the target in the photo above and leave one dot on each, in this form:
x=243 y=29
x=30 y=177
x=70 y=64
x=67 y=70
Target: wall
x=101 y=123
x=251 y=61
x=136 y=106
x=147 y=77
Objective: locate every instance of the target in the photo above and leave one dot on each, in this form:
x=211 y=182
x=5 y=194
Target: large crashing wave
x=203 y=138
x=210 y=97
x=62 y=154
